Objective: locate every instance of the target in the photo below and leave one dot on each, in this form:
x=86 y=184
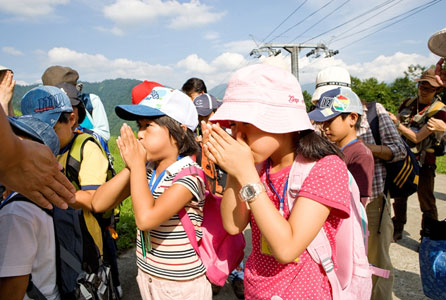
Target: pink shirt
x=327 y=183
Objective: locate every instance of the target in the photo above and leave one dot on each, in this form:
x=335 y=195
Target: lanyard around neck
x=153 y=185
x=281 y=199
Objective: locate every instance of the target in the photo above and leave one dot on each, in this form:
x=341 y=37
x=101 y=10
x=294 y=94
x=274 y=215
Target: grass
x=126 y=227
x=441 y=164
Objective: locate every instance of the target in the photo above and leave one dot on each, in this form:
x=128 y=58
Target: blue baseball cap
x=46 y=103
x=162 y=101
x=206 y=104
x=334 y=102
x=37 y=130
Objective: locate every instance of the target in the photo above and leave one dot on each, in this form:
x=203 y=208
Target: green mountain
x=112 y=92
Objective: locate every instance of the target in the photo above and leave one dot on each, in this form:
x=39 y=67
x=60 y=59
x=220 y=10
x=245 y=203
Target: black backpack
x=402 y=176
x=80 y=272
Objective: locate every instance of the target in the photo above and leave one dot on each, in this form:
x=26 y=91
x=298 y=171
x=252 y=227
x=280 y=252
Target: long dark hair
x=314 y=147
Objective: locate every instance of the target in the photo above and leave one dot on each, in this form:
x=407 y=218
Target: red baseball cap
x=142 y=90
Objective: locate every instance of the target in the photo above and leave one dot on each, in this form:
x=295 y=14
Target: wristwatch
x=249 y=192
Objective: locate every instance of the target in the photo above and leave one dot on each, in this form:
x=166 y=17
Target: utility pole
x=294 y=49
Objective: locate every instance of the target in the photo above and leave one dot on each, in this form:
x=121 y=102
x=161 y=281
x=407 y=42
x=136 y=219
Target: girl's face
x=156 y=140
x=263 y=144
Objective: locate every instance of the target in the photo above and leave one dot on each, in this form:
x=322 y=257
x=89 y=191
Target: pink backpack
x=219 y=251
x=353 y=278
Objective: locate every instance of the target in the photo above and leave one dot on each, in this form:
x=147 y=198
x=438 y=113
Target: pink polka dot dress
x=327 y=183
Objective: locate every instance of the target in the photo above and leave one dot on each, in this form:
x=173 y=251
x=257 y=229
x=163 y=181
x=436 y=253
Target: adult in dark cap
x=95 y=118
x=422 y=137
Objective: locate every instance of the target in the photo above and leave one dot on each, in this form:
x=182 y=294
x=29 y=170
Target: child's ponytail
x=314 y=147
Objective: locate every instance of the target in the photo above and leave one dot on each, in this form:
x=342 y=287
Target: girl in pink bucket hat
x=265 y=110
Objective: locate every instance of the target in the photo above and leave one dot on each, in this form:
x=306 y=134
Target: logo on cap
x=340 y=103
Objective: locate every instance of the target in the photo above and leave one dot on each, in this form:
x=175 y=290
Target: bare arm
x=113 y=192
x=415 y=137
x=235 y=213
x=45 y=183
x=13 y=288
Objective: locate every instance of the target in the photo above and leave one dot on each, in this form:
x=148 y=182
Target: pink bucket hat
x=265 y=96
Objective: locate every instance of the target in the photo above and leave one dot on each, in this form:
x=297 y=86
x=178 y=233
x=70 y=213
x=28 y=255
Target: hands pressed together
x=232 y=154
x=132 y=152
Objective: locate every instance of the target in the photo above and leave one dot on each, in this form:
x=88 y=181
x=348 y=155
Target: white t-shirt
x=27 y=246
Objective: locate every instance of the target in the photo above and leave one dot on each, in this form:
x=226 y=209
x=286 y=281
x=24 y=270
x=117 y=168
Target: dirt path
x=404 y=255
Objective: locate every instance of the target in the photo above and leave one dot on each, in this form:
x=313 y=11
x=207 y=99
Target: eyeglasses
x=424 y=85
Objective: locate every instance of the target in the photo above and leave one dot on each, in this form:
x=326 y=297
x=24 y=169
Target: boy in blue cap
x=339 y=112
x=27 y=241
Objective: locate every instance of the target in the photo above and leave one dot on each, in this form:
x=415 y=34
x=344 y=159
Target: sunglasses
x=424 y=85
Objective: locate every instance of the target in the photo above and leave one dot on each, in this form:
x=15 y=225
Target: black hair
x=81 y=112
x=194 y=85
x=186 y=143
x=64 y=117
x=314 y=147
x=358 y=121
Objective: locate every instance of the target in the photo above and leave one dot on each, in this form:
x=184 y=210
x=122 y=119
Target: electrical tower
x=294 y=49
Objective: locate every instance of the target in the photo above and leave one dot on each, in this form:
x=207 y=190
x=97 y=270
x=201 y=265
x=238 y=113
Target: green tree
x=307 y=98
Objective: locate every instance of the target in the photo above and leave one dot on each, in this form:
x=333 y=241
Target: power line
x=300 y=22
x=286 y=19
x=351 y=20
x=322 y=19
x=337 y=38
x=420 y=8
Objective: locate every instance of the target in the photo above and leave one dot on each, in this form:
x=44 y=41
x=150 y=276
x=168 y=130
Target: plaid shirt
x=389 y=137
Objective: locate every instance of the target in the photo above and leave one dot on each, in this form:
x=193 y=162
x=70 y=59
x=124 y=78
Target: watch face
x=249 y=192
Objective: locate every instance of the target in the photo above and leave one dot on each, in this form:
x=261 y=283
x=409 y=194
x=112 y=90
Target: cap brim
x=263 y=117
x=26 y=129
x=135 y=112
x=431 y=81
x=204 y=112
x=317 y=115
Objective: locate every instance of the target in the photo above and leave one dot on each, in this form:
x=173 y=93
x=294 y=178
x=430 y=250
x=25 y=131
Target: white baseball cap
x=162 y=101
x=330 y=78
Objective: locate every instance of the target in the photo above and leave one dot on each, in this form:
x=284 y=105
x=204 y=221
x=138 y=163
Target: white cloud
x=228 y=61
x=244 y=47
x=29 y=8
x=97 y=67
x=129 y=13
x=12 y=51
x=211 y=36
x=383 y=68
x=193 y=63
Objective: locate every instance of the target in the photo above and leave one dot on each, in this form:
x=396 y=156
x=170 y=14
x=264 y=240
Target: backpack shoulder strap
x=74 y=157
x=320 y=251
x=372 y=118
x=184 y=217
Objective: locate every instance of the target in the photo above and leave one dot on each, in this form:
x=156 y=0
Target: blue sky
x=171 y=41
